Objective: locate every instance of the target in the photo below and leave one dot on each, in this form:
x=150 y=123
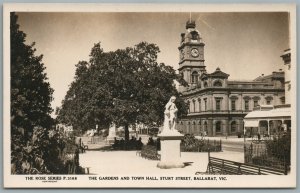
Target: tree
x=125 y=87
x=31 y=94
x=34 y=147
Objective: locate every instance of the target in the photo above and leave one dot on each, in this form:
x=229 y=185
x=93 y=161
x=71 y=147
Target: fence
x=90 y=140
x=259 y=154
x=228 y=167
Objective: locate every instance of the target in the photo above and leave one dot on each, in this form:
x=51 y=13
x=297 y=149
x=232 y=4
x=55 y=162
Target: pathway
x=128 y=163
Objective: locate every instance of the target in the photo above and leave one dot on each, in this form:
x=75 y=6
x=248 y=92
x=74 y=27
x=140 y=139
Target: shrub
x=280 y=147
x=191 y=144
x=39 y=154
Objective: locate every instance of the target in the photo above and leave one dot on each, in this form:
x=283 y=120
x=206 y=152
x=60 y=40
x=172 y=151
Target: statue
x=170 y=139
x=170 y=115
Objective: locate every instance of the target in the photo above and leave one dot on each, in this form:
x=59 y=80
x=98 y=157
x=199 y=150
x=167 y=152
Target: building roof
x=274 y=75
x=270 y=114
x=216 y=74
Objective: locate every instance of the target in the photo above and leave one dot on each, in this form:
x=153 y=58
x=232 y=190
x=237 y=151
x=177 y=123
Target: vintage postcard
x=149 y=95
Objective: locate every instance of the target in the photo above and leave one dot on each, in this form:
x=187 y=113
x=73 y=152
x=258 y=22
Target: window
x=233 y=126
x=194 y=35
x=199 y=103
x=246 y=105
x=218 y=127
x=205 y=84
x=255 y=103
x=205 y=129
x=199 y=84
x=217 y=83
x=195 y=77
x=233 y=105
x=188 y=106
x=269 y=100
x=218 y=104
x=194 y=106
x=282 y=99
x=205 y=104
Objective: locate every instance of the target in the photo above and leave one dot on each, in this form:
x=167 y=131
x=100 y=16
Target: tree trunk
x=126 y=129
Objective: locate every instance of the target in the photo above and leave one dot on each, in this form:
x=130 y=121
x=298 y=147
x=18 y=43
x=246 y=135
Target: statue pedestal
x=170 y=150
x=111 y=135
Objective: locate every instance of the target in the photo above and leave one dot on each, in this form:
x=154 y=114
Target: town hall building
x=217 y=104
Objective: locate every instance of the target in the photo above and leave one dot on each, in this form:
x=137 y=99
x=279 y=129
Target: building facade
x=217 y=105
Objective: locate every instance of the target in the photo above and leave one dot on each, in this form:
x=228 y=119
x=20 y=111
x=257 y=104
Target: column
x=213 y=128
x=226 y=127
x=268 y=127
x=225 y=103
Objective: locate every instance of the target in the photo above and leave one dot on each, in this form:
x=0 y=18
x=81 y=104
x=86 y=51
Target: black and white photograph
x=149 y=96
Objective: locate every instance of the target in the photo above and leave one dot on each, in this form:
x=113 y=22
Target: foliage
x=280 y=147
x=276 y=153
x=125 y=87
x=191 y=144
x=264 y=160
x=38 y=155
x=153 y=131
x=132 y=144
x=31 y=94
x=35 y=149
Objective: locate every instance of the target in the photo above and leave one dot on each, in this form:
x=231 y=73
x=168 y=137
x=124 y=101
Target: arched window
x=199 y=105
x=205 y=129
x=195 y=35
x=218 y=83
x=218 y=127
x=205 y=104
x=194 y=106
x=188 y=106
x=233 y=126
x=195 y=77
x=205 y=84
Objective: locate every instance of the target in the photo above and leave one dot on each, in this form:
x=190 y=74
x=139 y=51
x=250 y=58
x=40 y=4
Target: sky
x=244 y=45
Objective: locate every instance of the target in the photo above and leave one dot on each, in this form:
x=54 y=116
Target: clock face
x=195 y=52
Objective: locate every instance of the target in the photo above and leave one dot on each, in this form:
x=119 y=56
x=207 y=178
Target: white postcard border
x=18 y=181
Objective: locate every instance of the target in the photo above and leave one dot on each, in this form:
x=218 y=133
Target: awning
x=251 y=123
x=280 y=113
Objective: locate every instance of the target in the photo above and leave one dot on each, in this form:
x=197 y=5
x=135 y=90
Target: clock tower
x=191 y=51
